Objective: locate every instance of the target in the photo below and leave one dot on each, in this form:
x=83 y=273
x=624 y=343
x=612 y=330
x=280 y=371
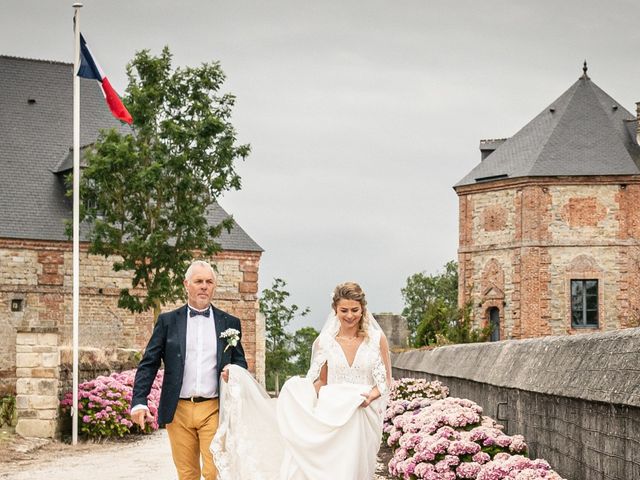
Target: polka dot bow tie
x=193 y=312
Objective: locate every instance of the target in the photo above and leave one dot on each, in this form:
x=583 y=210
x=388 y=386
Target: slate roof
x=584 y=132
x=36 y=102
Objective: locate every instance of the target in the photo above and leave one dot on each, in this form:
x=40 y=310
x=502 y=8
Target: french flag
x=89 y=68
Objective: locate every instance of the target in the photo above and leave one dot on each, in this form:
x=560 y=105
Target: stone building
x=395 y=328
x=550 y=224
x=35 y=254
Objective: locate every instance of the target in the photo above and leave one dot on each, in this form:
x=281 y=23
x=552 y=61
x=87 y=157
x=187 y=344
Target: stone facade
x=35 y=280
x=522 y=241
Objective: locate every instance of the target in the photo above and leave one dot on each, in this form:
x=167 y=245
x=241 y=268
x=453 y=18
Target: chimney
x=638 y=123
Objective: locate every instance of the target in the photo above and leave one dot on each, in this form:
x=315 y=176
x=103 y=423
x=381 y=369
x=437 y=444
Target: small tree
x=461 y=329
x=148 y=194
x=435 y=321
x=432 y=295
x=278 y=341
x=445 y=326
x=302 y=343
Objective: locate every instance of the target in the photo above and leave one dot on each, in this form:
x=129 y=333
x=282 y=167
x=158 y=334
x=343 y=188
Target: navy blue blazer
x=168 y=345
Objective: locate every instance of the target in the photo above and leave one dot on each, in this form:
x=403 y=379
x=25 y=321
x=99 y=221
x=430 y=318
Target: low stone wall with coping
x=576 y=399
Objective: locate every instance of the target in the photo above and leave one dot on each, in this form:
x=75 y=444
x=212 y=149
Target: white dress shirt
x=200 y=376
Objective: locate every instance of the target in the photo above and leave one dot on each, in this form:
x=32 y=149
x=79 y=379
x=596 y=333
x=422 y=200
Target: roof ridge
x=599 y=91
x=584 y=94
x=42 y=60
x=628 y=138
x=551 y=131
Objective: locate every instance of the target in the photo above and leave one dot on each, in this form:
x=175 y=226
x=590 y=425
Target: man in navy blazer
x=188 y=341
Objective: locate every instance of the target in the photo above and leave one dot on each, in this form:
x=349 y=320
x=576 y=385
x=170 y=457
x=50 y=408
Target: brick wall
x=534 y=236
x=39 y=274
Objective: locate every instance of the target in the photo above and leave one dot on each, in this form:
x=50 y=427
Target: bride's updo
x=353 y=291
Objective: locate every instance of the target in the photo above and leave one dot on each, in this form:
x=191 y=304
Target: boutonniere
x=232 y=336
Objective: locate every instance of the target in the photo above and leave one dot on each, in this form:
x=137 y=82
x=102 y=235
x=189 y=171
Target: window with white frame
x=584 y=303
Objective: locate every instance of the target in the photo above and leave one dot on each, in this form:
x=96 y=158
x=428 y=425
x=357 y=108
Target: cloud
x=361 y=114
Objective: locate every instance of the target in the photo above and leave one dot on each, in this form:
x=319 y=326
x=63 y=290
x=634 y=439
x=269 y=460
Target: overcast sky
x=361 y=115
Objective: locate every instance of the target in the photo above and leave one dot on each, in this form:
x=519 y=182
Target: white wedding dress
x=301 y=436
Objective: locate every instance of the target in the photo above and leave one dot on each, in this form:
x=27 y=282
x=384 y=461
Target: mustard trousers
x=190 y=434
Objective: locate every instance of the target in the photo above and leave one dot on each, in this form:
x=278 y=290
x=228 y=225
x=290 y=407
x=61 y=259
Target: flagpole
x=76 y=219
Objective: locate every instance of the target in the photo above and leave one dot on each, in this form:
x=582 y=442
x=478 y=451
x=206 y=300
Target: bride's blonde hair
x=353 y=291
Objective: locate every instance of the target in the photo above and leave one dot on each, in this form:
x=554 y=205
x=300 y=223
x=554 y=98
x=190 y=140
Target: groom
x=188 y=341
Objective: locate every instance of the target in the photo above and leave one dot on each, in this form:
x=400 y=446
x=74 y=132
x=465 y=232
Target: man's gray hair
x=199 y=263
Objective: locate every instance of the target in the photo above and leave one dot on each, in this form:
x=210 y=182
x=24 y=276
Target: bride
x=327 y=425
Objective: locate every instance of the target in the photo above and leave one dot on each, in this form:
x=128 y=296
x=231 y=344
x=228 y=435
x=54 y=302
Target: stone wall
x=522 y=241
x=39 y=275
x=37 y=360
x=575 y=398
x=93 y=362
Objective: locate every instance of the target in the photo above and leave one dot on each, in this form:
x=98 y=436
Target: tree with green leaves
x=443 y=325
x=148 y=194
x=302 y=343
x=462 y=330
x=278 y=341
x=431 y=309
x=434 y=323
x=430 y=294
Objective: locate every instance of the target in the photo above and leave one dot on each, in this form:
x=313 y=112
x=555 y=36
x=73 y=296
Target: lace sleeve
x=380 y=373
x=318 y=359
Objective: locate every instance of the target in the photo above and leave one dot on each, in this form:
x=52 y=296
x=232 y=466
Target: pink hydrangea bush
x=104 y=404
x=413 y=388
x=447 y=439
x=399 y=407
x=410 y=395
x=436 y=437
x=516 y=467
x=458 y=413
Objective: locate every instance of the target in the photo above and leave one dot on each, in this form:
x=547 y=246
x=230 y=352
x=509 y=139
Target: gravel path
x=146 y=457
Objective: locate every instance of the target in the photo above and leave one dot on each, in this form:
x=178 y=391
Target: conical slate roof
x=583 y=132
